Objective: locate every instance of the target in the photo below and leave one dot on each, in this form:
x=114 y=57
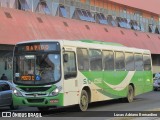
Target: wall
x=6 y=63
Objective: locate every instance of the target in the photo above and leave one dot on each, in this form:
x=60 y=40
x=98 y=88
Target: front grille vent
x=34 y=89
x=135 y=34
x=33 y=94
x=148 y=36
x=65 y=24
x=39 y=20
x=106 y=29
x=87 y=27
x=35 y=100
x=122 y=32
x=8 y=15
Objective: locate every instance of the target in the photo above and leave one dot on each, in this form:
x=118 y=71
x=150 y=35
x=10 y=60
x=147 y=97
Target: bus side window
x=138 y=62
x=119 y=61
x=129 y=59
x=147 y=62
x=108 y=58
x=83 y=59
x=95 y=59
x=70 y=70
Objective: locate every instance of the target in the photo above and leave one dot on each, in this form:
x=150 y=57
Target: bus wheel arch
x=87 y=89
x=133 y=88
x=85 y=98
x=130 y=93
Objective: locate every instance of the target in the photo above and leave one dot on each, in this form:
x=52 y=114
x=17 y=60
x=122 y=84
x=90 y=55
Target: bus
x=57 y=73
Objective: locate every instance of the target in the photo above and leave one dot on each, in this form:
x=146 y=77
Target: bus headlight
x=55 y=91
x=17 y=92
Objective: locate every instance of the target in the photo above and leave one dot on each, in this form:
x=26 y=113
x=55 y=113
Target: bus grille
x=34 y=89
x=35 y=100
x=33 y=94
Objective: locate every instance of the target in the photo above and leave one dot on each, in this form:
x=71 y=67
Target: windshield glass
x=37 y=69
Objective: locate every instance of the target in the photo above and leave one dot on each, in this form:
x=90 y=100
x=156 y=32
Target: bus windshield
x=37 y=68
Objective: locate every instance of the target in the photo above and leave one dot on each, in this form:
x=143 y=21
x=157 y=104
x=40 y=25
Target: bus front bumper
x=38 y=101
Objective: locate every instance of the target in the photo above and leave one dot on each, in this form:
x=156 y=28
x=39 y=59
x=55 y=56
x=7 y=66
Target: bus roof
x=89 y=44
x=102 y=42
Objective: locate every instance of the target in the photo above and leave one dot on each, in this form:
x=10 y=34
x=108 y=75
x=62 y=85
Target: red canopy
x=23 y=26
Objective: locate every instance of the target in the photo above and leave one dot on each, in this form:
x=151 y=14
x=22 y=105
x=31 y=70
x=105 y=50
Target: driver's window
x=70 y=69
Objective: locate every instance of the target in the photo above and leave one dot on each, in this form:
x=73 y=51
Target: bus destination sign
x=34 y=47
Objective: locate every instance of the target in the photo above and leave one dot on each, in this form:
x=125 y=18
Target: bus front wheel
x=83 y=105
x=130 y=94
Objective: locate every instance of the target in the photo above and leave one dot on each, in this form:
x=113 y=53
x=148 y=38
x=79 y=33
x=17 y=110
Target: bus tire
x=42 y=109
x=130 y=94
x=83 y=105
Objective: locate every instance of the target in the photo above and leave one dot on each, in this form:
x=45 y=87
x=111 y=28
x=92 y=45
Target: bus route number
x=26 y=77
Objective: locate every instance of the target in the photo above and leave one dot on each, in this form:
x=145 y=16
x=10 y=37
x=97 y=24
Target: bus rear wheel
x=83 y=105
x=130 y=94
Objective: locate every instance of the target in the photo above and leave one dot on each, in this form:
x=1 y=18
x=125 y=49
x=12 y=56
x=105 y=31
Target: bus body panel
x=111 y=88
x=104 y=85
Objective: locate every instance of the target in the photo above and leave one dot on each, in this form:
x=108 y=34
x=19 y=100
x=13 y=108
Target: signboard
x=35 y=47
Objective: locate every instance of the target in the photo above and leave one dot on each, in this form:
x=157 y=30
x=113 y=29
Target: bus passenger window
x=129 y=61
x=83 y=59
x=70 y=70
x=147 y=62
x=95 y=60
x=119 y=61
x=138 y=62
x=108 y=60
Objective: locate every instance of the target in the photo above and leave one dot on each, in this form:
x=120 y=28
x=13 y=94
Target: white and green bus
x=53 y=73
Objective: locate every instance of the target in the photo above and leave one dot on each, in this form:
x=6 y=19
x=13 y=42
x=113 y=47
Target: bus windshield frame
x=37 y=66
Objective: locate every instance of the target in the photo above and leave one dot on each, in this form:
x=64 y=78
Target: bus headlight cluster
x=55 y=91
x=17 y=92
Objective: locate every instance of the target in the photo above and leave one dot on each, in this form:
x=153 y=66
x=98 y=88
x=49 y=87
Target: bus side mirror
x=65 y=57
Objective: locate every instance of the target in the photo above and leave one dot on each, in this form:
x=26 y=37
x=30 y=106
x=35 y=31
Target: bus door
x=70 y=77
